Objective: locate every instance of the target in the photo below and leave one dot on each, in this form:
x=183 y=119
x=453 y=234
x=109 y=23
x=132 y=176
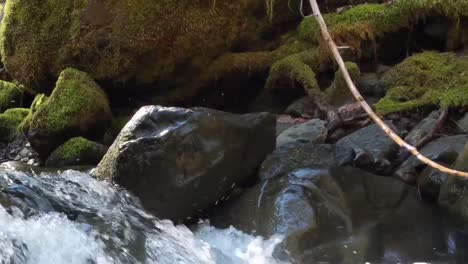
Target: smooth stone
x=313 y=131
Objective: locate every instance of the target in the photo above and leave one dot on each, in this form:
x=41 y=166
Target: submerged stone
x=181 y=161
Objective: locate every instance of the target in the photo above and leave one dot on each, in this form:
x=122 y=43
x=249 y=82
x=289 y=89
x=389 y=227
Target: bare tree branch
x=336 y=54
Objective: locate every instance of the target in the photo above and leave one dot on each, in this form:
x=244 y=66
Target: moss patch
x=338 y=92
x=76 y=107
x=426 y=79
x=299 y=67
x=26 y=123
x=363 y=24
x=121 y=40
x=9 y=122
x=77 y=151
x=10 y=95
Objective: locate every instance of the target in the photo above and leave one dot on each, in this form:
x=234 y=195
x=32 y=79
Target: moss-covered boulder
x=77 y=151
x=424 y=80
x=9 y=122
x=123 y=40
x=76 y=107
x=361 y=27
x=10 y=95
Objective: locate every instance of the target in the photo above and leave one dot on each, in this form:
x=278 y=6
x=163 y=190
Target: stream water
x=69 y=217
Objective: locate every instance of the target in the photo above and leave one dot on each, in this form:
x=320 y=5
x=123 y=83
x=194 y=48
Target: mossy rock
x=10 y=95
x=427 y=79
x=360 y=27
x=76 y=107
x=338 y=93
x=137 y=41
x=9 y=122
x=26 y=123
x=77 y=151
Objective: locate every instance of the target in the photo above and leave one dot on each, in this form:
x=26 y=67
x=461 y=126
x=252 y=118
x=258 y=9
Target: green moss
x=121 y=40
x=299 y=67
x=426 y=79
x=74 y=149
x=363 y=24
x=10 y=95
x=33 y=32
x=76 y=100
x=338 y=92
x=9 y=122
x=26 y=123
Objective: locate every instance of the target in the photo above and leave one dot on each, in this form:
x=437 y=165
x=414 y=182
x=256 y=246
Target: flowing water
x=69 y=217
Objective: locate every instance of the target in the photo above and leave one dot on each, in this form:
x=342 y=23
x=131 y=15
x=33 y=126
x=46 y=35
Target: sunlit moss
x=9 y=122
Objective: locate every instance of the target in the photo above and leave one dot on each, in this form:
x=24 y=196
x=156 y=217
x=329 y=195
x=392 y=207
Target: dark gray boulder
x=299 y=155
x=181 y=161
x=443 y=150
x=372 y=146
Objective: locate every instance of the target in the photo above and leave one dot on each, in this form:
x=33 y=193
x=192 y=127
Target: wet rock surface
x=373 y=147
x=186 y=158
x=340 y=215
x=444 y=149
x=313 y=131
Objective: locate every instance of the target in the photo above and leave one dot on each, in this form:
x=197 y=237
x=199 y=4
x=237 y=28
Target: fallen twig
x=336 y=54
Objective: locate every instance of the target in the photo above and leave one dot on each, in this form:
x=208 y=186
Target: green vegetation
x=360 y=26
x=10 y=95
x=73 y=149
x=426 y=79
x=25 y=124
x=299 y=67
x=9 y=122
x=119 y=39
x=76 y=102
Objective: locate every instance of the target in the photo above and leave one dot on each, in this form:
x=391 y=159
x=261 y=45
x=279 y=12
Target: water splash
x=70 y=217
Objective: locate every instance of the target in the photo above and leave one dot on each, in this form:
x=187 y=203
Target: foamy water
x=72 y=218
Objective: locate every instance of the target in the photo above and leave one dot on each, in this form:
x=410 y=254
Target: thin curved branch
x=336 y=54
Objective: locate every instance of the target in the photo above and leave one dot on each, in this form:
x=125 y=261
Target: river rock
x=422 y=129
x=453 y=196
x=181 y=161
x=298 y=155
x=372 y=146
x=304 y=107
x=77 y=151
x=76 y=107
x=462 y=125
x=444 y=150
x=338 y=215
x=314 y=131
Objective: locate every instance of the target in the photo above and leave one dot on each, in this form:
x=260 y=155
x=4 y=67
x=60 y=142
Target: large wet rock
x=76 y=107
x=339 y=215
x=444 y=150
x=181 y=161
x=372 y=146
x=314 y=131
